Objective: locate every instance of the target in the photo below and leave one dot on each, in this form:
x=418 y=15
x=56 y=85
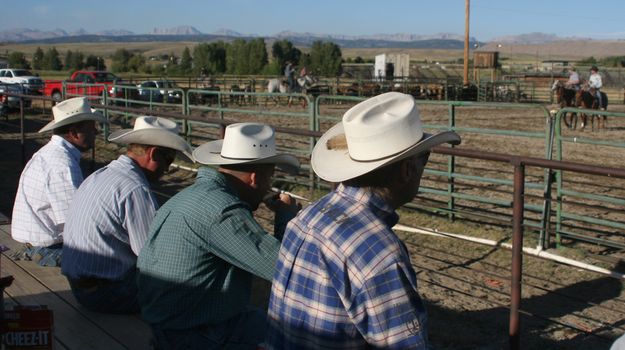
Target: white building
x=388 y=66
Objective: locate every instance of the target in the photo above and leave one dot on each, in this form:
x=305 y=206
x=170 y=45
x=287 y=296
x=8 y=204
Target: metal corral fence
x=476 y=191
x=517 y=203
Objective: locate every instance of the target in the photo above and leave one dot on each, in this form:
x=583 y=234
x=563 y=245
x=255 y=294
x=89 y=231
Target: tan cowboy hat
x=72 y=111
x=374 y=133
x=153 y=131
x=246 y=143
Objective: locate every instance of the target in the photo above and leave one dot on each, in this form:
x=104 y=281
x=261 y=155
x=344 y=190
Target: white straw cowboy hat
x=374 y=133
x=153 y=131
x=72 y=111
x=246 y=143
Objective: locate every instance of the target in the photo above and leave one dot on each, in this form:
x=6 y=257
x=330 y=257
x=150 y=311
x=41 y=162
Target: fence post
x=22 y=132
x=451 y=167
x=517 y=252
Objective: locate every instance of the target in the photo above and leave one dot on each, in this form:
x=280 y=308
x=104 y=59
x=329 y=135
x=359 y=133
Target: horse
x=587 y=99
x=566 y=98
x=276 y=85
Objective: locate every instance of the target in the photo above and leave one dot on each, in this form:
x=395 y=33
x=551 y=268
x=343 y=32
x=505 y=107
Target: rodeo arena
x=516 y=235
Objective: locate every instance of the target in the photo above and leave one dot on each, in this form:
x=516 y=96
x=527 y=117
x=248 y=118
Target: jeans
x=244 y=331
x=110 y=297
x=44 y=256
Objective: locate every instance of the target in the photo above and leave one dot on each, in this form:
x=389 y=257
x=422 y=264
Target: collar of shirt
x=66 y=145
x=125 y=162
x=371 y=200
x=212 y=175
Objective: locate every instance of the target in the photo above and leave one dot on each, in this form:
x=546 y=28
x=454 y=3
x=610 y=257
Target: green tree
x=283 y=50
x=325 y=58
x=17 y=59
x=78 y=61
x=209 y=58
x=243 y=57
x=136 y=62
x=51 y=60
x=186 y=62
x=74 y=60
x=69 y=55
x=236 y=57
x=95 y=62
x=257 y=56
x=37 y=58
x=120 y=60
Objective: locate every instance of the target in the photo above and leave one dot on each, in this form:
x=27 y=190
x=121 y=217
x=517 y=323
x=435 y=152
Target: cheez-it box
x=28 y=328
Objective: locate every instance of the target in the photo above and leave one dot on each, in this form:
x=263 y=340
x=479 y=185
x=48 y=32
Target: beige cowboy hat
x=153 y=131
x=374 y=133
x=246 y=143
x=72 y=111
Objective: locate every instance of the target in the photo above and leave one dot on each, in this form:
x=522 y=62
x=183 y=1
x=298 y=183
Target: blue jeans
x=44 y=256
x=244 y=331
x=109 y=297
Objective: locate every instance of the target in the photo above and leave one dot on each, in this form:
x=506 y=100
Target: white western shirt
x=46 y=187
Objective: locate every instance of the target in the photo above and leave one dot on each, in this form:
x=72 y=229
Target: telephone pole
x=465 y=76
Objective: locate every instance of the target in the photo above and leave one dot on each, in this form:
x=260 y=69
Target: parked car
x=122 y=94
x=32 y=84
x=159 y=91
x=81 y=83
x=9 y=102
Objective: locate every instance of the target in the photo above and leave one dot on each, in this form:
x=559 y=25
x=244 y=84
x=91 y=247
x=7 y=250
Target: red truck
x=81 y=83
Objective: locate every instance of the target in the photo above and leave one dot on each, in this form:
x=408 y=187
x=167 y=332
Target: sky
x=489 y=18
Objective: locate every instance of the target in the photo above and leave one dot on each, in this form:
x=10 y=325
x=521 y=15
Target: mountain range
x=189 y=33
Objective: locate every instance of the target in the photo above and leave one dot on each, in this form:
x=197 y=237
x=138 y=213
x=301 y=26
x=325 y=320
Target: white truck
x=31 y=84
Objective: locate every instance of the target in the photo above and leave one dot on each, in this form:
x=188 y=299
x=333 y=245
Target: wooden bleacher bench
x=74 y=326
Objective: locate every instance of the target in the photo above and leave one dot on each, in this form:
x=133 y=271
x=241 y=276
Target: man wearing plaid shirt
x=49 y=181
x=343 y=278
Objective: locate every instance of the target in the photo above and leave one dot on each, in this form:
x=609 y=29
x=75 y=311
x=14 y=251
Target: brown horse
x=566 y=98
x=586 y=98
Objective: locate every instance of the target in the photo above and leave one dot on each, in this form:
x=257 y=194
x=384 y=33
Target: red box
x=28 y=328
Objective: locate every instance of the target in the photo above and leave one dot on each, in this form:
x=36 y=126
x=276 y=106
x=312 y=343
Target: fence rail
x=454 y=189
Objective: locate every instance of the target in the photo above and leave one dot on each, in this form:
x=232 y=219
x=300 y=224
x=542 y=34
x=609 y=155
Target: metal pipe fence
x=452 y=187
x=518 y=194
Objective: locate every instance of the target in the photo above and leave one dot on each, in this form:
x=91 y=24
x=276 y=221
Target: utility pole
x=465 y=76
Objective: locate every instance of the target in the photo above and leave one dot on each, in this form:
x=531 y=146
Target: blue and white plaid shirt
x=45 y=190
x=344 y=280
x=108 y=222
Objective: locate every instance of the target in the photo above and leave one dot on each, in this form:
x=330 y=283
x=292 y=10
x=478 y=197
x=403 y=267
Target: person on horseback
x=595 y=83
x=289 y=72
x=573 y=82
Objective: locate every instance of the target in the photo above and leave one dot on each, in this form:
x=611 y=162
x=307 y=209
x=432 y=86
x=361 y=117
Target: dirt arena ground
x=465 y=286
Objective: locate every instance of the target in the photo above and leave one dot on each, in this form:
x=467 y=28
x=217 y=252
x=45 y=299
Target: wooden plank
x=9 y=303
x=128 y=330
x=71 y=327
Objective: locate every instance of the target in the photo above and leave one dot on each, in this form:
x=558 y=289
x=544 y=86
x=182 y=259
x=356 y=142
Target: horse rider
x=595 y=83
x=289 y=72
x=573 y=82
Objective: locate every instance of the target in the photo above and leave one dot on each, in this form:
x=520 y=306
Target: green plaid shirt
x=203 y=248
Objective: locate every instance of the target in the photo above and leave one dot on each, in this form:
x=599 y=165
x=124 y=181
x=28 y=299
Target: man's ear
x=406 y=170
x=151 y=152
x=252 y=179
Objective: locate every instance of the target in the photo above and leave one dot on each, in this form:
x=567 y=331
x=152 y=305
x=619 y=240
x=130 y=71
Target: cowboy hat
x=153 y=131
x=374 y=133
x=246 y=143
x=72 y=111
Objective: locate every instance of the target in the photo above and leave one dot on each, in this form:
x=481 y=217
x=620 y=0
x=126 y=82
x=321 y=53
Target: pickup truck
x=81 y=83
x=31 y=84
x=159 y=91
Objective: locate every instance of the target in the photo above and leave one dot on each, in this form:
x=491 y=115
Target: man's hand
x=282 y=202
